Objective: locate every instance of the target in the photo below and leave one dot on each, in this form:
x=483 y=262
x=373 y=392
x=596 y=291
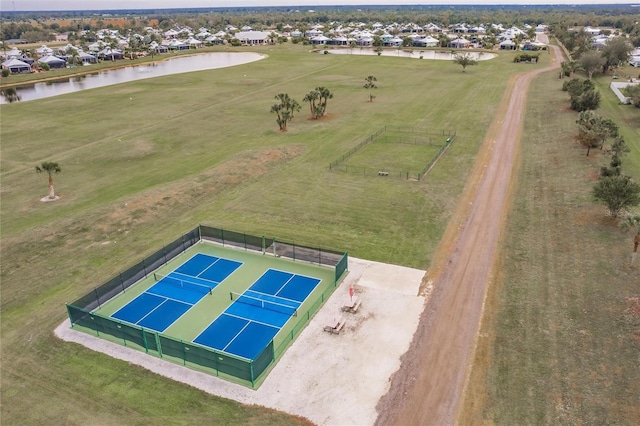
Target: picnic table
x=335 y=325
x=351 y=304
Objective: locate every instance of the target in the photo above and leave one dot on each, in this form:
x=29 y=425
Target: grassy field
x=559 y=344
x=145 y=161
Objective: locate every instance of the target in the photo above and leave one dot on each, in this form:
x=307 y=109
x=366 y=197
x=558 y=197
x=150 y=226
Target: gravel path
x=428 y=387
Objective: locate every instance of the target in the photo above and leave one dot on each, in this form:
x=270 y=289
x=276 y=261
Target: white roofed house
x=110 y=54
x=427 y=41
x=44 y=51
x=176 y=44
x=253 y=38
x=53 y=61
x=16 y=66
x=87 y=58
x=507 y=44
x=433 y=28
x=193 y=42
x=171 y=34
x=14 y=53
x=459 y=43
x=318 y=40
x=213 y=40
x=340 y=41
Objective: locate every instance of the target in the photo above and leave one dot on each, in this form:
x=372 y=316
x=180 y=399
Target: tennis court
x=257 y=315
x=174 y=294
x=224 y=302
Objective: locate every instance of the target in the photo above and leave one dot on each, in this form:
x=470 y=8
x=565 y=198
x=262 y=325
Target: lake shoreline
x=112 y=68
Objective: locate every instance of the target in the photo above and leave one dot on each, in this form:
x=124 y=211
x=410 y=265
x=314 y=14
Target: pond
x=200 y=62
x=416 y=53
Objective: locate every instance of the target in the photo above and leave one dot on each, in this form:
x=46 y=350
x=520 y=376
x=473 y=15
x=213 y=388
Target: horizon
x=10 y=6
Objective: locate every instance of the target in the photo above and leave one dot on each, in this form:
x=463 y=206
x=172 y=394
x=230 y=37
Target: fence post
x=95 y=290
x=144 y=340
x=157 y=337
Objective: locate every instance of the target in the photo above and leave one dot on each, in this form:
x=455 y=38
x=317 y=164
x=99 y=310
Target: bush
x=583 y=94
x=633 y=92
x=585 y=101
x=6 y=72
x=45 y=66
x=526 y=57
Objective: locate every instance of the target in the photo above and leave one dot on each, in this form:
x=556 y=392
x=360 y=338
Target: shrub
x=633 y=92
x=585 y=101
x=526 y=57
x=6 y=72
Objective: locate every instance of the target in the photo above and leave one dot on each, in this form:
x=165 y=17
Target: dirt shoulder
x=428 y=388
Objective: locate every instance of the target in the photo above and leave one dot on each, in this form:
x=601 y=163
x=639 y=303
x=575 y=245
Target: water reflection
x=10 y=95
x=201 y=62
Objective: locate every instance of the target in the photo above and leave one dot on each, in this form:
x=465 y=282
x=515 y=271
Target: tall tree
x=632 y=223
x=464 y=59
x=617 y=192
x=284 y=110
x=370 y=83
x=591 y=61
x=615 y=52
x=594 y=130
x=50 y=168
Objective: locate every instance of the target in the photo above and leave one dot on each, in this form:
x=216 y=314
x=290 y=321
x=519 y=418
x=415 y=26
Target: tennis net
x=186 y=284
x=264 y=304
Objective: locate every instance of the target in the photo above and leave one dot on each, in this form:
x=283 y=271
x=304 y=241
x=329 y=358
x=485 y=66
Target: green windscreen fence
x=81 y=312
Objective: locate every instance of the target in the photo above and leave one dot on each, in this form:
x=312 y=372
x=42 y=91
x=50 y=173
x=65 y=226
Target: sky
x=41 y=5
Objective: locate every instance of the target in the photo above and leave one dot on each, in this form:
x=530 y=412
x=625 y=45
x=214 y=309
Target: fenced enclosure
x=232 y=367
x=399 y=152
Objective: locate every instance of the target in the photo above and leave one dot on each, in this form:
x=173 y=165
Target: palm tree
x=633 y=223
x=312 y=97
x=325 y=95
x=370 y=84
x=4 y=45
x=50 y=168
x=74 y=56
x=284 y=109
x=352 y=44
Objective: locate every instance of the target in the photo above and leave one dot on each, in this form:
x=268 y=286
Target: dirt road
x=428 y=387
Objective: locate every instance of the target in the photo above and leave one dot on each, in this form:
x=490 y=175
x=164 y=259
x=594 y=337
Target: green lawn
x=203 y=148
x=559 y=344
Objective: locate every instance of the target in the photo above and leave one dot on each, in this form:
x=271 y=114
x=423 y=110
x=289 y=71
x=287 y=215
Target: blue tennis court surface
x=256 y=316
x=174 y=294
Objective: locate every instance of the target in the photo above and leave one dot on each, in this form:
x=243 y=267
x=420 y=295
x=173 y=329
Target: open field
x=559 y=343
x=143 y=162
